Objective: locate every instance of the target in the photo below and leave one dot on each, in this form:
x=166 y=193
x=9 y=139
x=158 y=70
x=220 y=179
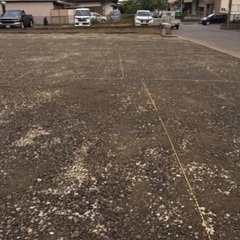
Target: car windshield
x=12 y=14
x=82 y=13
x=144 y=14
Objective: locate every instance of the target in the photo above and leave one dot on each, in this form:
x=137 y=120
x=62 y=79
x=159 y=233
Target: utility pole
x=229 y=13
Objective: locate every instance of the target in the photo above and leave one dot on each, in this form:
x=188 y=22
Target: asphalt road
x=211 y=36
x=118 y=137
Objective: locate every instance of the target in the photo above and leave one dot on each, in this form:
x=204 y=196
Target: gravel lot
x=118 y=137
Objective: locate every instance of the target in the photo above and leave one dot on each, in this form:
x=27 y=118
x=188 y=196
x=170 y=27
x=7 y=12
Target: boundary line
x=179 y=162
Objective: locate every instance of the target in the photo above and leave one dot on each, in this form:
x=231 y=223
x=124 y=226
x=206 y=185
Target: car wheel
x=177 y=26
x=103 y=20
x=207 y=22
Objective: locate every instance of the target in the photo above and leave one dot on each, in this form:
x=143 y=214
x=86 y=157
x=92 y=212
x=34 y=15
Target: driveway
x=211 y=36
x=118 y=137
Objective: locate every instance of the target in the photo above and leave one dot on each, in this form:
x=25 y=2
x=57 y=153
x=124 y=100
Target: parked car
x=16 y=18
x=143 y=17
x=82 y=17
x=98 y=17
x=214 y=18
x=114 y=15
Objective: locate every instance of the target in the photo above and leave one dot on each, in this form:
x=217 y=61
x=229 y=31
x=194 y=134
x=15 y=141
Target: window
x=235 y=8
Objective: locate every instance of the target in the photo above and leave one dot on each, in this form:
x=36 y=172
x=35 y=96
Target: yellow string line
x=121 y=66
x=179 y=162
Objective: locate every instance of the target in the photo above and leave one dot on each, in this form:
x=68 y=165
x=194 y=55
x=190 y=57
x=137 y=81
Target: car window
x=210 y=15
x=12 y=13
x=80 y=12
x=144 y=14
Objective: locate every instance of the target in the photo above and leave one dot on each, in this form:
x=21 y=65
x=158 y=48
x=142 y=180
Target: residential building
x=211 y=6
x=38 y=8
x=103 y=7
x=206 y=7
x=58 y=11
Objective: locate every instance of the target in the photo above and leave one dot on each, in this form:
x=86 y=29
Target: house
x=235 y=10
x=66 y=16
x=38 y=8
x=206 y=7
x=211 y=6
x=58 y=11
x=103 y=7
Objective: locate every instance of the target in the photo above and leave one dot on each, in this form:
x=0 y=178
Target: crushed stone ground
x=118 y=137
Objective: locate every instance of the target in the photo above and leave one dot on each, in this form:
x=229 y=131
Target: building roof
x=62 y=2
x=53 y=1
x=30 y=0
x=86 y=1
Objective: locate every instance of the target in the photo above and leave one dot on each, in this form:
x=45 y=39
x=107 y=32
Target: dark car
x=215 y=18
x=16 y=18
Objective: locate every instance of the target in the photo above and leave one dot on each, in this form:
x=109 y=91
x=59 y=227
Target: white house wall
x=225 y=4
x=38 y=10
x=108 y=8
x=90 y=4
x=235 y=11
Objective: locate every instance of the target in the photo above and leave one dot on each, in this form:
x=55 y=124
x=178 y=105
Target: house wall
x=235 y=11
x=224 y=4
x=103 y=9
x=66 y=16
x=108 y=8
x=217 y=6
x=211 y=6
x=38 y=10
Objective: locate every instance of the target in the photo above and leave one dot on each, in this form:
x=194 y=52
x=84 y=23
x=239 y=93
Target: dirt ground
x=110 y=136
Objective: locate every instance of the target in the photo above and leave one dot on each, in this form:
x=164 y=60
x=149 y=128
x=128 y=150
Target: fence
x=66 y=17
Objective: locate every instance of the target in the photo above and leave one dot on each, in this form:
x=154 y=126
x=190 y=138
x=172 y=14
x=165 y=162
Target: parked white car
x=143 y=17
x=98 y=17
x=82 y=17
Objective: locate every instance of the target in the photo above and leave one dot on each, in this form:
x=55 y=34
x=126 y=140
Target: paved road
x=211 y=36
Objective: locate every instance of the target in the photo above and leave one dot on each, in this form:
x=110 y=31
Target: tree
x=131 y=6
x=153 y=4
